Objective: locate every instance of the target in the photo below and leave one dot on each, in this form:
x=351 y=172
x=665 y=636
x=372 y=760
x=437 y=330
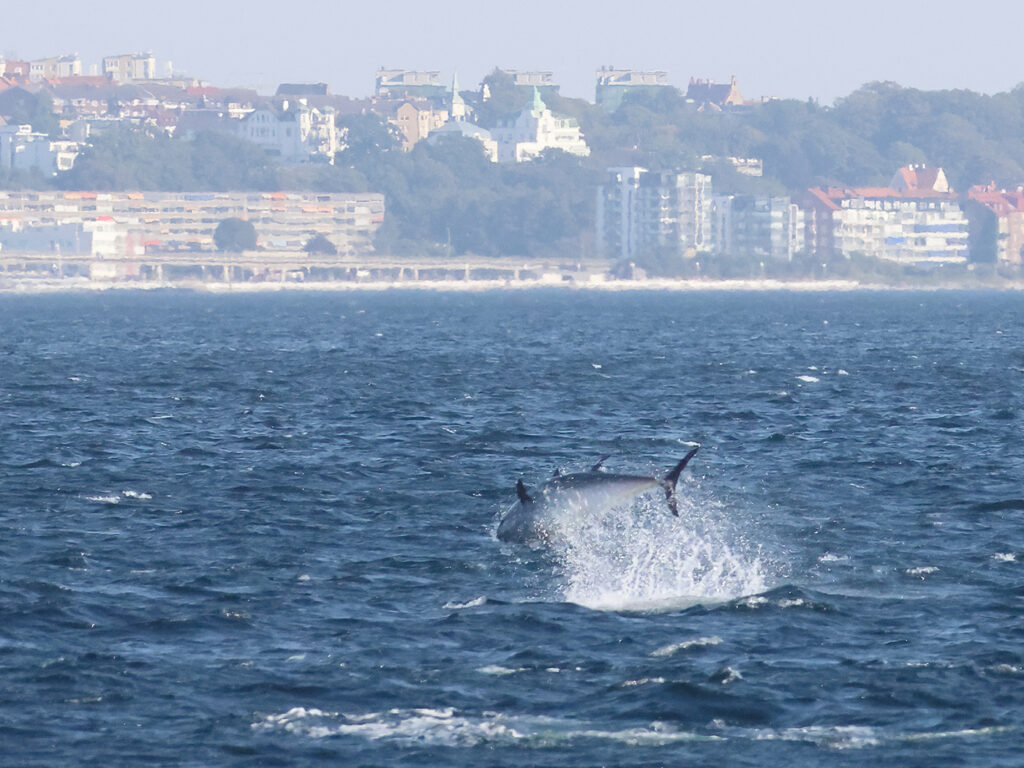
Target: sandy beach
x=83 y=285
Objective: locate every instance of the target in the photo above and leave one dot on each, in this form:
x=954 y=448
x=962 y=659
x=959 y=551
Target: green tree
x=319 y=244
x=235 y=235
x=366 y=136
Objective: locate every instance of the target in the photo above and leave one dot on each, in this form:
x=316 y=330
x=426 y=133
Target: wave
x=446 y=727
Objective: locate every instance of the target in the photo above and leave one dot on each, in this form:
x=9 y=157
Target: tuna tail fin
x=669 y=483
x=524 y=497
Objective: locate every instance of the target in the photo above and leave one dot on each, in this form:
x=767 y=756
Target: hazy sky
x=788 y=48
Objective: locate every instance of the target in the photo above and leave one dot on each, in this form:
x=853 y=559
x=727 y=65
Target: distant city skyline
x=800 y=49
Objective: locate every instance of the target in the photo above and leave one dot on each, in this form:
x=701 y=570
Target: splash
x=640 y=558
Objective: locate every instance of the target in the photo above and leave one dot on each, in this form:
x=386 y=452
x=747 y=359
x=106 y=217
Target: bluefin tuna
x=534 y=516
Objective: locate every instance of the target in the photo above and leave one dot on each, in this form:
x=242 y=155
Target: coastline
x=83 y=285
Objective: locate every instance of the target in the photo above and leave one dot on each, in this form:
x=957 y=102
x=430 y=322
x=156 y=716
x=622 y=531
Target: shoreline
x=76 y=285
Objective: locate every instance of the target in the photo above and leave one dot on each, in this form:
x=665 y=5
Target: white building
x=617 y=215
x=917 y=219
x=767 y=228
x=130 y=66
x=54 y=67
x=22 y=149
x=297 y=133
x=536 y=129
x=642 y=213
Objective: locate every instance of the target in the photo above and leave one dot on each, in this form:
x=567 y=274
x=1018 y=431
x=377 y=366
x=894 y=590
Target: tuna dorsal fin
x=669 y=483
x=524 y=497
x=600 y=461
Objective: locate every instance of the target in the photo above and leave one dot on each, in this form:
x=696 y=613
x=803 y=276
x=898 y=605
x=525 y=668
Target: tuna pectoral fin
x=524 y=497
x=669 y=483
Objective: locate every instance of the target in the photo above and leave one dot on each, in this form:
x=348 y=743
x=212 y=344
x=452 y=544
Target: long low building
x=136 y=223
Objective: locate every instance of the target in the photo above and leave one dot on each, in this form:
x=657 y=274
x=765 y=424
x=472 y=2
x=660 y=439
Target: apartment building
x=408 y=83
x=766 y=228
x=916 y=220
x=134 y=223
x=21 y=148
x=613 y=85
x=641 y=212
x=998 y=233
x=129 y=67
x=54 y=67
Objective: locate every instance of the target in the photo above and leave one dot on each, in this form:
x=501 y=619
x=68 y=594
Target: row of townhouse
x=127 y=224
x=916 y=220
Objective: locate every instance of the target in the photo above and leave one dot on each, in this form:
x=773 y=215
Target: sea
x=259 y=530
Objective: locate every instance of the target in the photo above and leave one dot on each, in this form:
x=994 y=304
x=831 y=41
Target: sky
x=787 y=48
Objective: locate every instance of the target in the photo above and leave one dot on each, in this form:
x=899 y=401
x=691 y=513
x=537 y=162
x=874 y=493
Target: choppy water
x=259 y=530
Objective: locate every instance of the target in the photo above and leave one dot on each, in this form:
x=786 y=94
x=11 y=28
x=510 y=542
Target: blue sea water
x=259 y=530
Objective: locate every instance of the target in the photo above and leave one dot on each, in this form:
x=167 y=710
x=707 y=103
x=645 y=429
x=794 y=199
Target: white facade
x=901 y=229
x=295 y=135
x=770 y=228
x=617 y=215
x=130 y=66
x=54 y=67
x=640 y=212
x=21 y=149
x=127 y=224
x=536 y=129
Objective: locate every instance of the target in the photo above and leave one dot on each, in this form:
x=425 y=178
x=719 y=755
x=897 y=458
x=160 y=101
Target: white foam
x=446 y=727
x=831 y=737
x=476 y=602
x=104 y=499
x=808 y=379
x=641 y=558
x=830 y=557
x=136 y=495
x=700 y=642
x=643 y=681
x=500 y=671
x=1004 y=557
x=922 y=570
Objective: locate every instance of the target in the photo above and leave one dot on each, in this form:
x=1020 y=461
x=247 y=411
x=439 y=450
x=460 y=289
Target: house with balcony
x=643 y=212
x=296 y=133
x=916 y=220
x=750 y=226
